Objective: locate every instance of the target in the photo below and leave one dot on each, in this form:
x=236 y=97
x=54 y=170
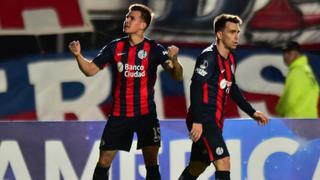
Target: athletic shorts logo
x=142 y=54
x=156 y=134
x=120 y=66
x=219 y=151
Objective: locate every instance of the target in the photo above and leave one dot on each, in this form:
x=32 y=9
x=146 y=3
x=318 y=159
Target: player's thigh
x=117 y=134
x=211 y=146
x=148 y=131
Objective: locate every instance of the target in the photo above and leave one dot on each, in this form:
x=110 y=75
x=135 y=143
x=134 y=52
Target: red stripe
x=205 y=93
x=116 y=96
x=205 y=141
x=229 y=79
x=219 y=101
x=228 y=70
x=144 y=107
x=219 y=104
x=130 y=83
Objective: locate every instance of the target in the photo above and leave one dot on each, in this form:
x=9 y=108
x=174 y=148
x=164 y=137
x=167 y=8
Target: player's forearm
x=238 y=97
x=86 y=66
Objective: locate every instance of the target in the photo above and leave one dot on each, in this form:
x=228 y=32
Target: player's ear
x=219 y=35
x=143 y=25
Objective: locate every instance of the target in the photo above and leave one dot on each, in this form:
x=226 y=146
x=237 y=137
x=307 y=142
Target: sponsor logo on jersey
x=120 y=66
x=224 y=84
x=131 y=70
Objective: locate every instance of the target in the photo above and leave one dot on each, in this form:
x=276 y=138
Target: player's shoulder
x=117 y=40
x=209 y=53
x=153 y=43
x=113 y=44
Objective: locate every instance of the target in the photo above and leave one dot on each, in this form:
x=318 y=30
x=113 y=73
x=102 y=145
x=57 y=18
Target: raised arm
x=172 y=65
x=86 y=66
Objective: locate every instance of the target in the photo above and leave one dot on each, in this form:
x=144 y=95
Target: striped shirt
x=213 y=81
x=134 y=73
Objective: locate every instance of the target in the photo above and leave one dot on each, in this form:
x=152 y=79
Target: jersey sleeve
x=196 y=96
x=105 y=56
x=238 y=97
x=160 y=53
x=203 y=69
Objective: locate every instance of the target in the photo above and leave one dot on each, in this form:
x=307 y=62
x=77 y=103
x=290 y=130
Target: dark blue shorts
x=118 y=132
x=211 y=146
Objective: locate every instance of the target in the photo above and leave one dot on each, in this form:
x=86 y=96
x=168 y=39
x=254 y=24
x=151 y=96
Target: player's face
x=133 y=23
x=230 y=35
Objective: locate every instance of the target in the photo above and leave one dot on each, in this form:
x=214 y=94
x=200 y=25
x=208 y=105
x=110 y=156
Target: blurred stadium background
x=40 y=81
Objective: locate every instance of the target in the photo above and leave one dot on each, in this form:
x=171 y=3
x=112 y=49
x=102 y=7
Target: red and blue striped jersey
x=134 y=73
x=213 y=81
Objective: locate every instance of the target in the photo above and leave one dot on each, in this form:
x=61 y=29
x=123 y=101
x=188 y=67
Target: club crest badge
x=142 y=54
x=219 y=151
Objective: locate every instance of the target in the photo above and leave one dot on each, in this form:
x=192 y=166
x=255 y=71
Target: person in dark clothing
x=134 y=60
x=213 y=81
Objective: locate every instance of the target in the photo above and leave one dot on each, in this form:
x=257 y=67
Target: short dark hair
x=291 y=46
x=220 y=21
x=146 y=12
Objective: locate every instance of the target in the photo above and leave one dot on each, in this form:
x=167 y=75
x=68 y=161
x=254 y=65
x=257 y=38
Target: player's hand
x=173 y=52
x=196 y=132
x=173 y=56
x=75 y=47
x=261 y=118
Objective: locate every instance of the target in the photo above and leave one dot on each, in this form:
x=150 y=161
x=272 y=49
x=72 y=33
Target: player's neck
x=223 y=50
x=135 y=39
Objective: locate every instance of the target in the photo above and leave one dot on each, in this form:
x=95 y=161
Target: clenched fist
x=75 y=47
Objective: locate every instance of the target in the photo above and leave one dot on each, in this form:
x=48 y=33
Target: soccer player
x=134 y=60
x=213 y=81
